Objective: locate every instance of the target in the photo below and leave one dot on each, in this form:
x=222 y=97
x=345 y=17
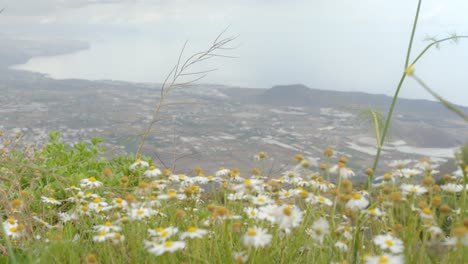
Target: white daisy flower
x=413 y=189
x=153 y=172
x=318 y=200
x=140 y=213
x=344 y=172
x=50 y=200
x=90 y=182
x=138 y=163
x=240 y=257
x=101 y=236
x=107 y=227
x=251 y=212
x=357 y=202
x=163 y=233
x=157 y=248
x=385 y=259
x=452 y=187
x=375 y=212
x=116 y=237
x=193 y=232
x=287 y=217
x=222 y=172
x=256 y=237
x=319 y=229
x=342 y=246
x=261 y=200
x=388 y=242
x=406 y=173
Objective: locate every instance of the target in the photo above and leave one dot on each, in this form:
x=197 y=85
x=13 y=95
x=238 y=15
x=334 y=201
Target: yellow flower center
x=247 y=182
x=108 y=223
x=413 y=189
x=84 y=208
x=251 y=232
x=389 y=242
x=372 y=212
x=140 y=212
x=261 y=200
x=119 y=200
x=11 y=220
x=13 y=229
x=172 y=193
x=356 y=196
x=164 y=233
x=97 y=200
x=253 y=213
x=287 y=211
x=92 y=179
x=321 y=199
x=427 y=211
x=102 y=233
x=168 y=243
x=118 y=235
x=192 y=229
x=286 y=194
x=383 y=259
x=152 y=167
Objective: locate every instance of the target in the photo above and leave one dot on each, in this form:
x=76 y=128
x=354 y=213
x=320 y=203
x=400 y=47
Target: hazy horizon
x=331 y=45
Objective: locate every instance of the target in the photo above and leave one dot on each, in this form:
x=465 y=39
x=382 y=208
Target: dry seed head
x=465 y=222
x=447 y=177
x=345 y=198
x=436 y=188
x=396 y=196
x=328 y=152
x=237 y=227
x=343 y=160
x=428 y=181
x=124 y=180
x=387 y=189
x=166 y=172
x=179 y=214
x=298 y=157
x=91 y=259
x=398 y=228
x=221 y=210
x=380 y=199
x=436 y=200
x=459 y=230
x=445 y=208
x=305 y=164
x=211 y=207
x=255 y=171
x=143 y=185
x=16 y=203
x=369 y=172
x=198 y=171
x=262 y=155
x=323 y=166
x=107 y=172
x=130 y=198
x=422 y=204
x=347 y=184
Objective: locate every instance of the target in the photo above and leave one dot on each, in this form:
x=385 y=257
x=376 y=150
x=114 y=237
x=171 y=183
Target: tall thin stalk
x=408 y=71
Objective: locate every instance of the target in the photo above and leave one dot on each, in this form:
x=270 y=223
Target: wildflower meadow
x=63 y=203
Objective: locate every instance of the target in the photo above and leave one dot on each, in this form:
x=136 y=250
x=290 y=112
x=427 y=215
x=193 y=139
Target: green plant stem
x=11 y=253
x=392 y=107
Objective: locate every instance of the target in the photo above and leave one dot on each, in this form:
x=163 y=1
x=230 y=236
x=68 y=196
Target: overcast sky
x=356 y=45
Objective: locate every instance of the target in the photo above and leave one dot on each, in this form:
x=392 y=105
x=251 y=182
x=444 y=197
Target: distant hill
x=302 y=96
